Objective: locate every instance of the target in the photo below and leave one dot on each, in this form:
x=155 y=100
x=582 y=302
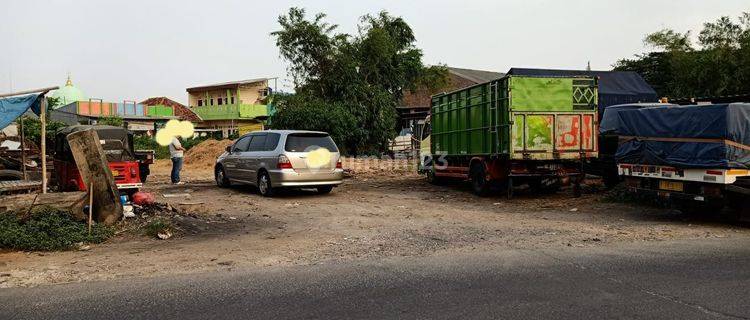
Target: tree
x=32 y=126
x=669 y=40
x=110 y=121
x=718 y=65
x=360 y=77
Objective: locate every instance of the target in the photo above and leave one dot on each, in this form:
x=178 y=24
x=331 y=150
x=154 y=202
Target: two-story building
x=235 y=107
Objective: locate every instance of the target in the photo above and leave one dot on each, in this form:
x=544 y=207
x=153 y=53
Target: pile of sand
x=373 y=166
x=205 y=153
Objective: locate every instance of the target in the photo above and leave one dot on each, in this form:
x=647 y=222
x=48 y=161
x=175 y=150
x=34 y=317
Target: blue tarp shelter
x=13 y=107
x=712 y=136
x=610 y=120
x=615 y=87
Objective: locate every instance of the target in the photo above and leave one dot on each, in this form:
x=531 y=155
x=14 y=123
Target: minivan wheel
x=325 y=189
x=264 y=185
x=221 y=178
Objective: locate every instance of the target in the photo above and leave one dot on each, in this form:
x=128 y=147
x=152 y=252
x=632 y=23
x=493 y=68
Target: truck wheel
x=611 y=180
x=544 y=186
x=700 y=208
x=740 y=206
x=479 y=182
x=433 y=179
x=577 y=190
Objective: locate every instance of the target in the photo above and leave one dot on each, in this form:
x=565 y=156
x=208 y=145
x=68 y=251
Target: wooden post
x=94 y=169
x=91 y=204
x=43 y=119
x=23 y=149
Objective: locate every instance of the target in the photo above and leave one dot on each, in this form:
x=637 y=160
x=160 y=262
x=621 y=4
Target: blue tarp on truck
x=712 y=136
x=615 y=87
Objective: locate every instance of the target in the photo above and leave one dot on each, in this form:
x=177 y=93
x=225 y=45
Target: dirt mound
x=373 y=166
x=205 y=153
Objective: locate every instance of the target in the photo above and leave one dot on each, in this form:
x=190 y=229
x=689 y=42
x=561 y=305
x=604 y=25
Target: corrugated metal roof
x=226 y=84
x=477 y=76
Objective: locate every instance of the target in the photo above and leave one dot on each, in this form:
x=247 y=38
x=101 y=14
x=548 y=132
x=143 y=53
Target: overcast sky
x=132 y=50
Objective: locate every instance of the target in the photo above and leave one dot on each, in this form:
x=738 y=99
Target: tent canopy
x=13 y=107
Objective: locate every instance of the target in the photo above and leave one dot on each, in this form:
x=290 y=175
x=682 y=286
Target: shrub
x=47 y=229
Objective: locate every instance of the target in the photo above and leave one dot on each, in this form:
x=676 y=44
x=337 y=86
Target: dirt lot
x=383 y=210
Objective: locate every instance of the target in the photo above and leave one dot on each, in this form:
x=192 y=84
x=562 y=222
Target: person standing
x=177 y=153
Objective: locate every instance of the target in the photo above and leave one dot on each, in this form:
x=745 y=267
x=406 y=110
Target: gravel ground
x=381 y=211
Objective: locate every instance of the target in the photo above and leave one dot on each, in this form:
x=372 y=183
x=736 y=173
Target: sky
x=133 y=50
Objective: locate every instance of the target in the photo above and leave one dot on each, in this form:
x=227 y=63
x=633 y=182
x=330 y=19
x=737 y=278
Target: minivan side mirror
x=229 y=148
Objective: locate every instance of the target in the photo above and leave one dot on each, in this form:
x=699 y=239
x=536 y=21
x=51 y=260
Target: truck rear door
x=553 y=118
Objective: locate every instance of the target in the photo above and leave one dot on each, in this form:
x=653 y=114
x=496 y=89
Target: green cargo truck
x=512 y=131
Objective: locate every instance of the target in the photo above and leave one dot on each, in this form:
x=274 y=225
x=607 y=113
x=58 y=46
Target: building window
x=219 y=101
x=200 y=102
x=264 y=92
x=232 y=99
x=212 y=101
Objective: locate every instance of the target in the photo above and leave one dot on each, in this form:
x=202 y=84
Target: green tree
x=110 y=121
x=351 y=78
x=718 y=65
x=32 y=126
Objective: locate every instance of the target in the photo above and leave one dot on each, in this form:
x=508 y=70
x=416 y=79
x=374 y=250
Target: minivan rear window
x=300 y=142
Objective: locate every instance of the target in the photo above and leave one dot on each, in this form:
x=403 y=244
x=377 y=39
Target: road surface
x=695 y=279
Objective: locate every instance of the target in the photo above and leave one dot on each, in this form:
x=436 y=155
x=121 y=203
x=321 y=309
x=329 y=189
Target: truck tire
x=10 y=175
x=545 y=186
x=611 y=180
x=740 y=205
x=479 y=183
x=433 y=179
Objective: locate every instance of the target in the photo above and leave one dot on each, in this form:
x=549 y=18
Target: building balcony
x=232 y=112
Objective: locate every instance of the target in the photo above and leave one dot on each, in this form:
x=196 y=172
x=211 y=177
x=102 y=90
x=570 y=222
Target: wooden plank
x=44 y=90
x=92 y=164
x=19 y=185
x=71 y=201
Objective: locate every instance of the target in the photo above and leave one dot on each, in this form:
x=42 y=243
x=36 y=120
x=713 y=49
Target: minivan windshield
x=301 y=142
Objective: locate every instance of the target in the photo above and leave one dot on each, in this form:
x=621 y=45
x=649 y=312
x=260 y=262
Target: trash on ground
x=176 y=195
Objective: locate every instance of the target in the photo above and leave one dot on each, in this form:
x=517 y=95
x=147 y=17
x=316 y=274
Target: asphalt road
x=700 y=279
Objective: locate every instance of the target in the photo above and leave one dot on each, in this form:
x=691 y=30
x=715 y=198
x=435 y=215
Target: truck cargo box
x=712 y=136
x=518 y=117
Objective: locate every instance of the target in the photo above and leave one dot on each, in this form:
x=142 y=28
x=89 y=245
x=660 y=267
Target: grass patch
x=156 y=226
x=47 y=229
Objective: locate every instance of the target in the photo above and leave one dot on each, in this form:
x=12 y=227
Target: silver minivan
x=277 y=159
